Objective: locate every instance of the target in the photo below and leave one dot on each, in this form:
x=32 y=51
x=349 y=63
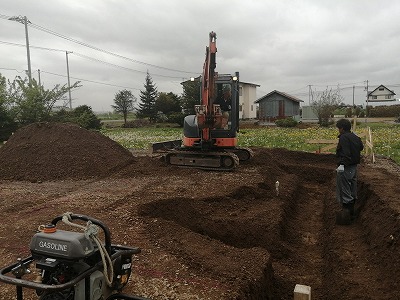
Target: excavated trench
x=286 y=239
x=233 y=229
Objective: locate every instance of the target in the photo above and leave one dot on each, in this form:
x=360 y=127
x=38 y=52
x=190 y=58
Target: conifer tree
x=148 y=97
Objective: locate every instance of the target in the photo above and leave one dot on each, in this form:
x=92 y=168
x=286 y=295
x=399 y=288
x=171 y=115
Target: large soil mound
x=54 y=151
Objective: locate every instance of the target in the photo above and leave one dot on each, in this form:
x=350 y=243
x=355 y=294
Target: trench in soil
x=298 y=229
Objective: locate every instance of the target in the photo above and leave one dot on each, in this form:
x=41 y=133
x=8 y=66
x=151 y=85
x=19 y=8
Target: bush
x=288 y=122
x=137 y=123
x=82 y=115
x=7 y=125
x=349 y=112
x=177 y=118
x=385 y=111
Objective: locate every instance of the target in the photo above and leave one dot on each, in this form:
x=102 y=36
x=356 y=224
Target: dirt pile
x=54 y=151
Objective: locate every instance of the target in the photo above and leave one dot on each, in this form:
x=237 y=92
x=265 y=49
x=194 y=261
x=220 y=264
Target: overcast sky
x=280 y=45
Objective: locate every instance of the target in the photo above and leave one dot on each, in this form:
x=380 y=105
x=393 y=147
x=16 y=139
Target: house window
x=240 y=107
x=240 y=91
x=388 y=96
x=374 y=97
x=381 y=89
x=252 y=107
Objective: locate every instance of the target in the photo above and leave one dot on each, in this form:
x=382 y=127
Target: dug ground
x=204 y=234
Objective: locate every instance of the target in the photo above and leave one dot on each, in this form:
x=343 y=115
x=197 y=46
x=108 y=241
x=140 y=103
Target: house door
x=281 y=109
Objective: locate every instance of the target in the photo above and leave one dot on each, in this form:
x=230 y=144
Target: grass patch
x=385 y=137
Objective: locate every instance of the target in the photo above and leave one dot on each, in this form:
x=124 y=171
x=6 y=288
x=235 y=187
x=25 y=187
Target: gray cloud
x=283 y=45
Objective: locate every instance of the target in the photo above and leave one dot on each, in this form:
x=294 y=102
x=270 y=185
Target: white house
x=247 y=98
x=381 y=94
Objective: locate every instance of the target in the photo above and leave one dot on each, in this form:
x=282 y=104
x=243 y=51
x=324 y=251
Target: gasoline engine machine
x=73 y=265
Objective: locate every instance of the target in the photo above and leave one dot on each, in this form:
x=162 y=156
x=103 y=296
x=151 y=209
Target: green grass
x=385 y=137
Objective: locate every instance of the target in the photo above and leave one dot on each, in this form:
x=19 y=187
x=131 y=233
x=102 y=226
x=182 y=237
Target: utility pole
x=366 y=108
x=69 y=86
x=39 y=77
x=25 y=21
x=309 y=94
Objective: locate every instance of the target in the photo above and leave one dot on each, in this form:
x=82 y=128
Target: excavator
x=210 y=136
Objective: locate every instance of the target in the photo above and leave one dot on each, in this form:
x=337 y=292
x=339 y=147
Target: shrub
x=82 y=115
x=176 y=118
x=288 y=122
x=137 y=123
x=385 y=111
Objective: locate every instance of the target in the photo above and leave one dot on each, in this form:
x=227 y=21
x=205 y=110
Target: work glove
x=340 y=169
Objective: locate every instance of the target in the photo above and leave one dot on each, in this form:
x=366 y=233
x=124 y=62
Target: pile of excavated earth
x=207 y=234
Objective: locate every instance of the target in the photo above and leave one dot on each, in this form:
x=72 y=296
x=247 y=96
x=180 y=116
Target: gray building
x=278 y=105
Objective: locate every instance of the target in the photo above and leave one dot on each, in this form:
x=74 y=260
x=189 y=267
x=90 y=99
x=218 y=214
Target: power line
x=121 y=67
x=80 y=79
x=38 y=27
x=92 y=59
x=92 y=81
x=35 y=47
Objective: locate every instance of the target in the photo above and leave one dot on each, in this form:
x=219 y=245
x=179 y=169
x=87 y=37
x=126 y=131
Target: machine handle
x=107 y=234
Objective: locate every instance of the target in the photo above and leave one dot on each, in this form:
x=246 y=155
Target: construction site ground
x=207 y=234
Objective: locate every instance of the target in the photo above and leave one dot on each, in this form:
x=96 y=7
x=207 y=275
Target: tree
x=325 y=104
x=82 y=115
x=7 y=123
x=168 y=103
x=32 y=102
x=190 y=96
x=147 y=107
x=124 y=101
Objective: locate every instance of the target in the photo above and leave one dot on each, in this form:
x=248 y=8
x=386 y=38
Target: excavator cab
x=227 y=97
x=222 y=124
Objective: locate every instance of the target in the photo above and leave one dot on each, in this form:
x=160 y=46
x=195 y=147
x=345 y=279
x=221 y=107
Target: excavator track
x=242 y=153
x=218 y=161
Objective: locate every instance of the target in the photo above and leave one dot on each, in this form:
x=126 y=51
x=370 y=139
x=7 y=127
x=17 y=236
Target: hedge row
x=385 y=111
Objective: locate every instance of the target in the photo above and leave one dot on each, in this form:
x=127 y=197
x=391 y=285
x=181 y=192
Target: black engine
x=73 y=265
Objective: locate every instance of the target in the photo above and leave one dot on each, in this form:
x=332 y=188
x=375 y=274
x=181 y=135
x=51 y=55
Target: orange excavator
x=210 y=136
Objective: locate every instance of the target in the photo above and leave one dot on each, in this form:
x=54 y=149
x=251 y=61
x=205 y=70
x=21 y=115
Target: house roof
x=392 y=93
x=248 y=83
x=290 y=97
x=242 y=82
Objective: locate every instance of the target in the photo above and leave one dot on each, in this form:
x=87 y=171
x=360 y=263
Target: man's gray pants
x=346 y=184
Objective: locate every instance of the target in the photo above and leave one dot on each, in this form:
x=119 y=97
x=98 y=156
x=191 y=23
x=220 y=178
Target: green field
x=385 y=137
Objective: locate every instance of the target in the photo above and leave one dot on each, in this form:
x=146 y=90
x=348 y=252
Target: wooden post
x=354 y=123
x=371 y=145
x=302 y=292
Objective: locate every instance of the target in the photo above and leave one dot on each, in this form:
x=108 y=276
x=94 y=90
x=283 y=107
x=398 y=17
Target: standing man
x=348 y=157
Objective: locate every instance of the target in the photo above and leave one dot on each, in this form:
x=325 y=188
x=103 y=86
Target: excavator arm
x=208 y=115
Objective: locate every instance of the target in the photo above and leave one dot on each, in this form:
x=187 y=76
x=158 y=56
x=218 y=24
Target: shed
x=278 y=105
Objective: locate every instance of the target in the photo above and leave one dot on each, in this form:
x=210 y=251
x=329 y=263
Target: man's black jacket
x=348 y=149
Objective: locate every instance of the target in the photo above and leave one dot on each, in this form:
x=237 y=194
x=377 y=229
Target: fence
x=331 y=144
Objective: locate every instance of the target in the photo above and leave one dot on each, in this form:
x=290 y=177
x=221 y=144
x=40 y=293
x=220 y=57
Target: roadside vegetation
x=385 y=137
x=159 y=117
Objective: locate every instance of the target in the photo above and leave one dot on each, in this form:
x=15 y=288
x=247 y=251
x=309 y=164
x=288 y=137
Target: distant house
x=247 y=97
x=381 y=94
x=278 y=105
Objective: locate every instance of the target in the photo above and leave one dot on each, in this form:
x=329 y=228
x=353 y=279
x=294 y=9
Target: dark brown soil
x=204 y=234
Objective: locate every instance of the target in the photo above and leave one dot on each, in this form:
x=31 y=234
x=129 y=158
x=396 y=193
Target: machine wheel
x=228 y=161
